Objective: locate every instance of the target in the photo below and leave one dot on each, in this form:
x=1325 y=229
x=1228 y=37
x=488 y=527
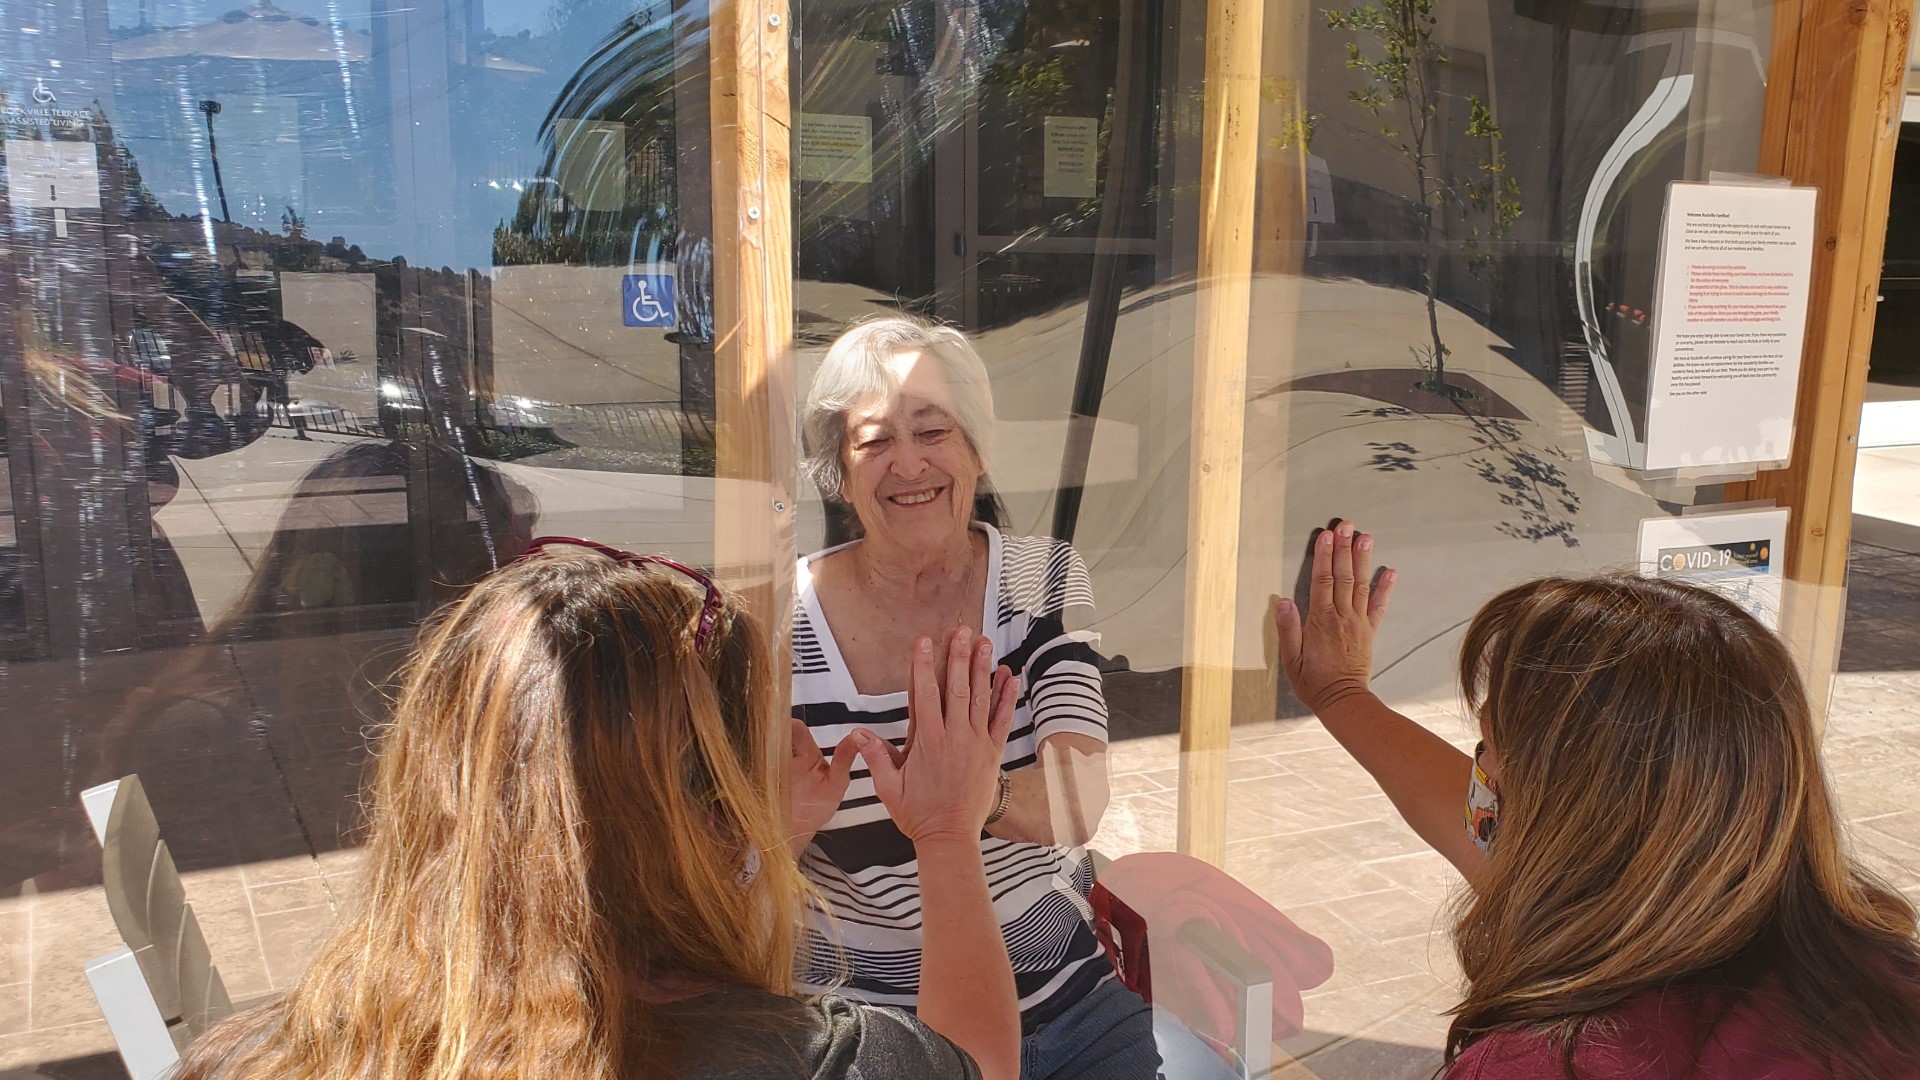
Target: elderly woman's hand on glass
x=946 y=787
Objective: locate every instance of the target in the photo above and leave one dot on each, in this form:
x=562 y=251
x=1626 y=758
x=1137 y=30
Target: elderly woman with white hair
x=898 y=430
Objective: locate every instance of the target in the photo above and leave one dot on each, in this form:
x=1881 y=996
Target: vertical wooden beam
x=1832 y=120
x=755 y=468
x=1228 y=181
x=1280 y=247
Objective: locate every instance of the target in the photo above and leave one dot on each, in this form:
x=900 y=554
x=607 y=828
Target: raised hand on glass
x=816 y=783
x=1328 y=658
x=946 y=788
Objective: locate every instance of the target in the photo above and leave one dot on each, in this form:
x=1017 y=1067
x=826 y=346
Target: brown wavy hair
x=1665 y=820
x=564 y=803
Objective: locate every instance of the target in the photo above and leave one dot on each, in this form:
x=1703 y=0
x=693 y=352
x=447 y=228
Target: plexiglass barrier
x=328 y=308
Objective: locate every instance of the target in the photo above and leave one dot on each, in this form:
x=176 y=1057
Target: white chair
x=160 y=991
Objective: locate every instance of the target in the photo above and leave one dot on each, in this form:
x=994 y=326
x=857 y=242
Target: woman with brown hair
x=578 y=855
x=1660 y=888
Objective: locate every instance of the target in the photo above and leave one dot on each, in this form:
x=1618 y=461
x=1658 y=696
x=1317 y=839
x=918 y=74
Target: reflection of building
x=299 y=131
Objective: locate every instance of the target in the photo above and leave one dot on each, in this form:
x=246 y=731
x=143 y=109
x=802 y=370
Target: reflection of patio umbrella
x=262 y=32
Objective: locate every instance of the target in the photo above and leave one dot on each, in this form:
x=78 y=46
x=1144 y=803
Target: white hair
x=858 y=371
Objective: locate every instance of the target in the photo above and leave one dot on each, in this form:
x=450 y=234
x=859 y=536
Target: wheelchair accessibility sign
x=647 y=300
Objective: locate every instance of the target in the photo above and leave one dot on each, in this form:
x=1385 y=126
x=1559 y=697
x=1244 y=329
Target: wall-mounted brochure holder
x=1727 y=335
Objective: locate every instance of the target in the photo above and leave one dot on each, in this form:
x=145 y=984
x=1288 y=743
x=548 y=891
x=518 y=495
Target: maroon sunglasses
x=709 y=611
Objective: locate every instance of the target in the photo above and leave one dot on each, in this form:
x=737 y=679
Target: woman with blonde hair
x=1660 y=889
x=578 y=857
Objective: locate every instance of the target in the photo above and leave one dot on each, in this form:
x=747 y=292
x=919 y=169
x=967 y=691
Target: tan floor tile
x=1417 y=999
x=290 y=938
x=1168 y=779
x=1143 y=755
x=340 y=869
x=1251 y=766
x=15 y=1008
x=1903 y=826
x=1279 y=805
x=1331 y=772
x=219 y=900
x=1288 y=871
x=1391 y=915
x=16 y=937
x=287 y=895
x=1292 y=1070
x=1307 y=736
x=1370 y=840
x=1133 y=784
x=26 y=1050
x=1377 y=964
x=1138 y=823
x=1427 y=875
x=276 y=870
x=71 y=927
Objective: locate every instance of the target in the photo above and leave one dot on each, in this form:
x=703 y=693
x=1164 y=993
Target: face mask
x=748 y=870
x=1483 y=805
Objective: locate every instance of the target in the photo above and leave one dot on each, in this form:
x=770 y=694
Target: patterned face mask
x=1483 y=805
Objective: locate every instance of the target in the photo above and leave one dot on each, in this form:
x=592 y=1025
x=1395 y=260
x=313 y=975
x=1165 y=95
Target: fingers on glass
x=1320 y=595
x=981 y=683
x=959 y=676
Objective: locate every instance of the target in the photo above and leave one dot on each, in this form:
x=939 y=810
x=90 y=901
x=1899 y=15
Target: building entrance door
x=976 y=164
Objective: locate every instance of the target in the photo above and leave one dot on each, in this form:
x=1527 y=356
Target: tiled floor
x=1307 y=830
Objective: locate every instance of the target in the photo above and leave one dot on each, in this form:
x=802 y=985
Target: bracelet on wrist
x=1005 y=800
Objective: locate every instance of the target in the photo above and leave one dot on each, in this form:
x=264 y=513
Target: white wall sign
x=1071 y=157
x=55 y=174
x=1319 y=191
x=1736 y=262
x=836 y=149
x=1740 y=554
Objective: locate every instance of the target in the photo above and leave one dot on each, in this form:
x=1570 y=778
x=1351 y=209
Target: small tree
x=1402 y=71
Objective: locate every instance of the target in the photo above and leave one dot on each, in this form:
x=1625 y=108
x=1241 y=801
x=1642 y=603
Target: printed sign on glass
x=647 y=301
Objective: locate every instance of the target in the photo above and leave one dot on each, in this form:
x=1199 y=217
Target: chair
x=1124 y=932
x=159 y=991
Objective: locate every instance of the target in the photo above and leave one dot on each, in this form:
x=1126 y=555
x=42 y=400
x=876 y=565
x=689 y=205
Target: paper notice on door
x=1740 y=554
x=836 y=149
x=1072 y=157
x=1730 y=319
x=56 y=174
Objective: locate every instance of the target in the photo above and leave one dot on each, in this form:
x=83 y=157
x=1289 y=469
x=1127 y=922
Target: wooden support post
x=1228 y=180
x=1834 y=94
x=755 y=468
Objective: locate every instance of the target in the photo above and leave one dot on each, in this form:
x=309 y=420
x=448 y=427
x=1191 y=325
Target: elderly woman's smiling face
x=910 y=470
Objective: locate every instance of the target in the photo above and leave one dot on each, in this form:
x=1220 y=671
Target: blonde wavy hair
x=566 y=805
x=1665 y=819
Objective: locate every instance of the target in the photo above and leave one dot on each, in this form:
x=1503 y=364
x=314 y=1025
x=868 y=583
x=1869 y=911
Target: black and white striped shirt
x=1038 y=605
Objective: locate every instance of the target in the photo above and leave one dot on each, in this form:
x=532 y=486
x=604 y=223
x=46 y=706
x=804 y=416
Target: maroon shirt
x=1669 y=1034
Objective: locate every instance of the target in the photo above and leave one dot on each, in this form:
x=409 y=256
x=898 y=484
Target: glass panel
x=329 y=309
x=1448 y=282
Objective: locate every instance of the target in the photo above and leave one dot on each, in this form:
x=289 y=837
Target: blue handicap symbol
x=647 y=300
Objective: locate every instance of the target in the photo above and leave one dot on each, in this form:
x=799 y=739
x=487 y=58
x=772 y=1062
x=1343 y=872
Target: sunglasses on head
x=709 y=611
